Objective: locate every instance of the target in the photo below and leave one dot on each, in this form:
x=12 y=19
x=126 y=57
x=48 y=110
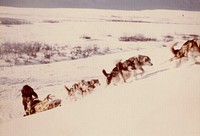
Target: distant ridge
x=189 y=5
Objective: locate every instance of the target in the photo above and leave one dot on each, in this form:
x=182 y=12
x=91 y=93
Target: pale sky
x=107 y=4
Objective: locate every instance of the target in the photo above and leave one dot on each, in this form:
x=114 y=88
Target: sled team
x=122 y=71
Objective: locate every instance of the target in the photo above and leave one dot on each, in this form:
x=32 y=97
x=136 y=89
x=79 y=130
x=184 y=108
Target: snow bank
x=160 y=104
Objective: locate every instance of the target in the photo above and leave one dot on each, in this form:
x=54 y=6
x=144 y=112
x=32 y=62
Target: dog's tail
x=68 y=90
x=174 y=51
x=108 y=76
x=172 y=48
x=105 y=73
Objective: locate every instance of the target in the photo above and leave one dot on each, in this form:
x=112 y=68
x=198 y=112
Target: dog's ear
x=96 y=81
x=140 y=57
x=146 y=59
x=117 y=61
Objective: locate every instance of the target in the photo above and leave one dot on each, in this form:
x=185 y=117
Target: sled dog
x=124 y=69
x=82 y=87
x=190 y=49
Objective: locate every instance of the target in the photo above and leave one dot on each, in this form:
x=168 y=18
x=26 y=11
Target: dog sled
x=35 y=105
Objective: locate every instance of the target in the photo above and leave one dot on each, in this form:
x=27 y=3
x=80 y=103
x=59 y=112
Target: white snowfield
x=165 y=101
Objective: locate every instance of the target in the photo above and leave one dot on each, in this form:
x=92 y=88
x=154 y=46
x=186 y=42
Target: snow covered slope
x=165 y=101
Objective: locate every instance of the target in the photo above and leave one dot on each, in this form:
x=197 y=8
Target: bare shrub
x=13 y=21
x=79 y=52
x=107 y=50
x=51 y=21
x=129 y=21
x=40 y=53
x=86 y=37
x=47 y=51
x=168 y=38
x=190 y=36
x=31 y=49
x=76 y=52
x=11 y=52
x=136 y=38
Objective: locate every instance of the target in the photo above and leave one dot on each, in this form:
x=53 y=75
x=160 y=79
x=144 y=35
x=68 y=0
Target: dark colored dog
x=91 y=85
x=190 y=48
x=124 y=69
x=82 y=87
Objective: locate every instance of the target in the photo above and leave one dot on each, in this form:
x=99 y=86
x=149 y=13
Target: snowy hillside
x=164 y=101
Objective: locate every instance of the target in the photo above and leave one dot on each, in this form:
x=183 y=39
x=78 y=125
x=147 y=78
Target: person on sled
x=28 y=94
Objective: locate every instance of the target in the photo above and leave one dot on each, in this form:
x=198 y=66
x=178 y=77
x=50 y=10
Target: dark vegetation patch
x=128 y=21
x=89 y=38
x=13 y=21
x=136 y=38
x=79 y=52
x=189 y=36
x=40 y=53
x=168 y=38
x=86 y=37
x=25 y=53
x=51 y=21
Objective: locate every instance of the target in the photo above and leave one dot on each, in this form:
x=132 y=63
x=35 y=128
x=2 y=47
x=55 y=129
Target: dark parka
x=27 y=92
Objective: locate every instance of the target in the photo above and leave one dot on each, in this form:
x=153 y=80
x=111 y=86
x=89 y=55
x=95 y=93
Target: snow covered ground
x=164 y=101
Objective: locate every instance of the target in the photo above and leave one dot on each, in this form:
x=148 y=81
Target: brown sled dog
x=82 y=87
x=125 y=69
x=190 y=48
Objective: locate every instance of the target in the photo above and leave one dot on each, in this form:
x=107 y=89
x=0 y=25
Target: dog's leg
x=192 y=56
x=120 y=67
x=142 y=71
x=135 y=74
x=122 y=75
x=82 y=91
x=109 y=79
x=172 y=59
x=178 y=62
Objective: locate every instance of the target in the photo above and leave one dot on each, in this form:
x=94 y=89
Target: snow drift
x=165 y=103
